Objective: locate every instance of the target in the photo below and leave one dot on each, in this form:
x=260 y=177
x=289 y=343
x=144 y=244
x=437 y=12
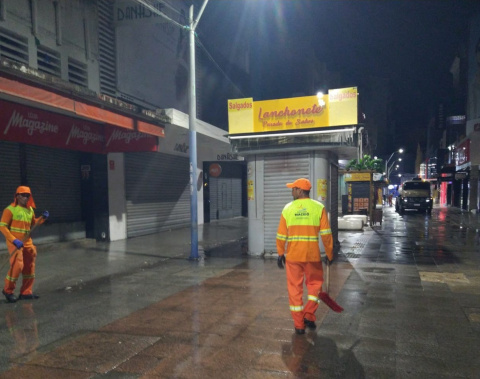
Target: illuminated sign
x=337 y=108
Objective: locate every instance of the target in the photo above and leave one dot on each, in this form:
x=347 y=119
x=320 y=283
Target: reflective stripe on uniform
x=11 y=279
x=281 y=237
x=303 y=238
x=19 y=230
x=325 y=231
x=296 y=308
x=313 y=298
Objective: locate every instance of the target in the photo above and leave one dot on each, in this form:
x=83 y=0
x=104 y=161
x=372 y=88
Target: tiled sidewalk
x=237 y=325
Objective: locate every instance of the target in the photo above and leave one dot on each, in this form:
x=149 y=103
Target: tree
x=365 y=163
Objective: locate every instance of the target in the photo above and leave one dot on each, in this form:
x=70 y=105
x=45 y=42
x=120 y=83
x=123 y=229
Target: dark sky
x=410 y=42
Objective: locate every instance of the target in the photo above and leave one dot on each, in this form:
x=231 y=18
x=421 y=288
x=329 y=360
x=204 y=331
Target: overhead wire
x=149 y=6
x=160 y=13
x=209 y=56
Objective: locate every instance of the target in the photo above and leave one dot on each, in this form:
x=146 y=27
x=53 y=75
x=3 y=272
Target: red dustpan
x=325 y=297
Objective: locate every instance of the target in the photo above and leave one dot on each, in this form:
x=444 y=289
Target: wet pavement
x=140 y=309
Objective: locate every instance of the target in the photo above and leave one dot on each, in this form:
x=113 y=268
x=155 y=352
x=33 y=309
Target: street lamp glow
x=391 y=156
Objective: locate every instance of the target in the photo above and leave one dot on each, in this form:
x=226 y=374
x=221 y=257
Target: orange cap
x=24 y=189
x=301 y=183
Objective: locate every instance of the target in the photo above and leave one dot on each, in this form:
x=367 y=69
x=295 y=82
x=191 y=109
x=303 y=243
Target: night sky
x=411 y=43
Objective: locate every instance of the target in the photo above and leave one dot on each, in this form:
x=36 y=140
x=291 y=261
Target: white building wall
x=116 y=197
x=211 y=142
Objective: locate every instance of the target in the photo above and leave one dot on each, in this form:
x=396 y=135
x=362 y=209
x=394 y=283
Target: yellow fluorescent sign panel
x=343 y=106
x=339 y=107
x=286 y=114
x=240 y=116
x=357 y=177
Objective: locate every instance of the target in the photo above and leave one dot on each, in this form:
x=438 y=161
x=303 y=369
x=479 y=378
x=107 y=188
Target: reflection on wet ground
x=140 y=309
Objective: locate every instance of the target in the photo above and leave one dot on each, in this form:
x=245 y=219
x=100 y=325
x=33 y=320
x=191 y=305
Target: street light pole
x=193 y=136
x=192 y=25
x=388 y=160
x=389 y=170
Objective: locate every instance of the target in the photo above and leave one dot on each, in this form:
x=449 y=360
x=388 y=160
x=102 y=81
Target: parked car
x=414 y=194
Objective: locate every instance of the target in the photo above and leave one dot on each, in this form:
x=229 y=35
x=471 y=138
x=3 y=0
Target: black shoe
x=310 y=324
x=11 y=298
x=299 y=331
x=28 y=297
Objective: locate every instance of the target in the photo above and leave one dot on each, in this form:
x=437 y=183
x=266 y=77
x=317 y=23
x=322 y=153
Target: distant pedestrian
x=16 y=222
x=301 y=222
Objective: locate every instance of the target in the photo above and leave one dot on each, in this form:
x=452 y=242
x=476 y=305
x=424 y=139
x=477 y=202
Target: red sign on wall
x=215 y=170
x=20 y=123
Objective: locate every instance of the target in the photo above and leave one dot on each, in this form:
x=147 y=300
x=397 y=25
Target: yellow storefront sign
x=308 y=112
x=287 y=114
x=240 y=116
x=343 y=106
x=357 y=177
x=322 y=189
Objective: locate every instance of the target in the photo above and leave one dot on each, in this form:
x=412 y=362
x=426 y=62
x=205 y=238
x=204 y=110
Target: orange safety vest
x=16 y=223
x=301 y=222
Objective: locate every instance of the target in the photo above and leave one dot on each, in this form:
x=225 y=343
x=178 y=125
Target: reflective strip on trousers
x=296 y=308
x=313 y=298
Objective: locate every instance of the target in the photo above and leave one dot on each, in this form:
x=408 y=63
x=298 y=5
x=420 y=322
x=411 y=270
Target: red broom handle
x=328 y=276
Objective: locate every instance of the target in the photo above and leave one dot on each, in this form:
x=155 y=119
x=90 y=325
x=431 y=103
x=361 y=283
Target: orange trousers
x=312 y=272
x=22 y=262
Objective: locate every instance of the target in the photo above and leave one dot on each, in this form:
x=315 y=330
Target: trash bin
x=377 y=216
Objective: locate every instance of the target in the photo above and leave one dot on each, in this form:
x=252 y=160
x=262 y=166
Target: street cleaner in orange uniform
x=16 y=222
x=301 y=222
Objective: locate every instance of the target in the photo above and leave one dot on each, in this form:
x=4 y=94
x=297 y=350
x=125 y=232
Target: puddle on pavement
x=443 y=277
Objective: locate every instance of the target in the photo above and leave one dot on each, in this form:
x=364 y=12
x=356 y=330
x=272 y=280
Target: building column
x=255 y=199
x=116 y=197
x=473 y=200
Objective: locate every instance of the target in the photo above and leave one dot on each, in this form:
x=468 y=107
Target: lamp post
x=388 y=160
x=389 y=170
x=192 y=25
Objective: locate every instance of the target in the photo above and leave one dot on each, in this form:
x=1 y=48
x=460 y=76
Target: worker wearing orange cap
x=301 y=222
x=16 y=222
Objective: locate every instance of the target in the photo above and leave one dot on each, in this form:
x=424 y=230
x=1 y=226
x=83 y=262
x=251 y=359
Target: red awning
x=90 y=112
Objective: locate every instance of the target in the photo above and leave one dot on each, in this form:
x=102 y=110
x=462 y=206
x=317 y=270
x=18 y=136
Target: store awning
x=343 y=141
x=42 y=117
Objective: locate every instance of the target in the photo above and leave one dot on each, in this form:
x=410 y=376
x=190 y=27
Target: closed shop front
x=157 y=192
x=279 y=170
x=10 y=177
x=267 y=176
x=53 y=175
x=224 y=196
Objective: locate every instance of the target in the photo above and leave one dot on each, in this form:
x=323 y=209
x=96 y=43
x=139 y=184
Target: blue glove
x=18 y=244
x=45 y=214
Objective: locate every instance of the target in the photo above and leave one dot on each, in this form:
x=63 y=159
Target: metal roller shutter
x=10 y=178
x=236 y=197
x=278 y=170
x=157 y=191
x=334 y=202
x=213 y=193
x=55 y=180
x=225 y=198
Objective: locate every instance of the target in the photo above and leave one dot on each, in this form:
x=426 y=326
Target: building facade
x=97 y=130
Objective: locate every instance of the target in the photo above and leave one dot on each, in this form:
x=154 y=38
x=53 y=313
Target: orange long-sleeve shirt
x=301 y=222
x=16 y=223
